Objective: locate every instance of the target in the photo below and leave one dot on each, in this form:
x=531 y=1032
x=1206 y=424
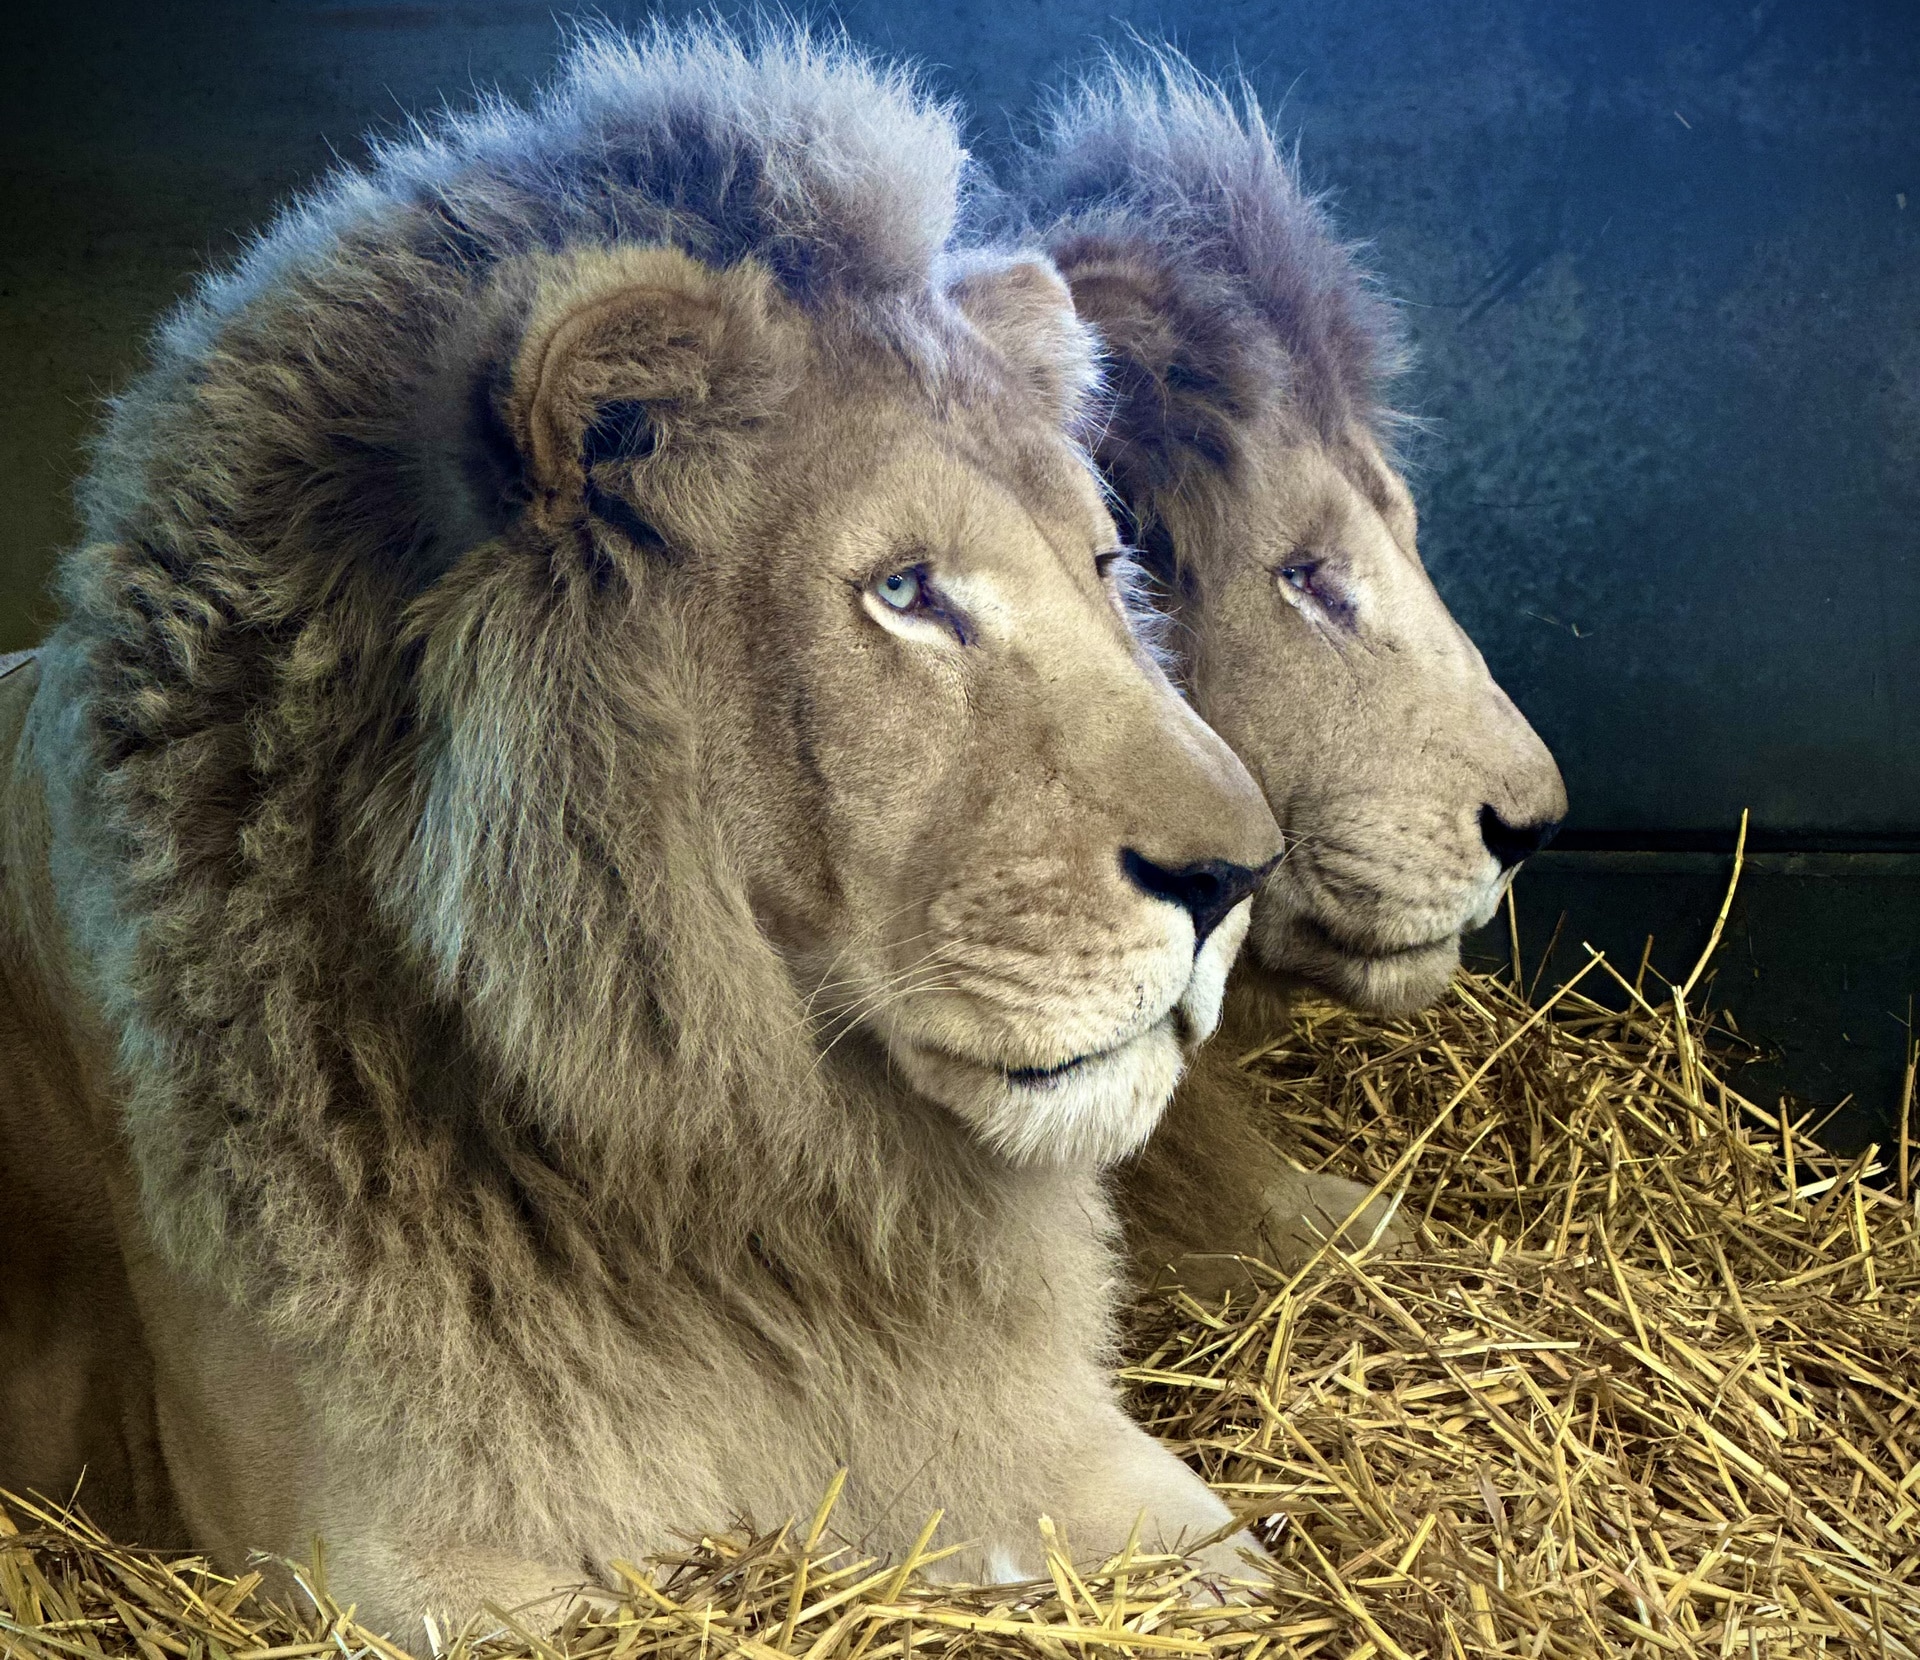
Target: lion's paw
x=1306 y=1207
x=1303 y=1210
x=1232 y=1571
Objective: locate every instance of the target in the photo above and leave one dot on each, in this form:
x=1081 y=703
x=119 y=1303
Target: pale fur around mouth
x=1323 y=938
x=1038 y=1077
x=1096 y=1107
x=1042 y=1077
x=1394 y=980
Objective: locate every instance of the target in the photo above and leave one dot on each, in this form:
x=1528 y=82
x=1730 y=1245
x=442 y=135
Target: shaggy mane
x=836 y=171
x=399 y=1032
x=1155 y=156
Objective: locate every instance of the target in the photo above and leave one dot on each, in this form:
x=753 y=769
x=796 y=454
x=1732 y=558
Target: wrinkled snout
x=1195 y=829
x=1414 y=848
x=1525 y=799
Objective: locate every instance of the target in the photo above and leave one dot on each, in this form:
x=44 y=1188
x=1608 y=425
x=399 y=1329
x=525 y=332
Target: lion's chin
x=1094 y=1109
x=1376 y=982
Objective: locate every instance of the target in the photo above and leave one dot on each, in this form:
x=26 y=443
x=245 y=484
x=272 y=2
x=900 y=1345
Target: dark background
x=1659 y=261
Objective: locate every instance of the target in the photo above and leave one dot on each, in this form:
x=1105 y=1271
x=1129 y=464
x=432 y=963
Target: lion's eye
x=1319 y=592
x=907 y=602
x=900 y=589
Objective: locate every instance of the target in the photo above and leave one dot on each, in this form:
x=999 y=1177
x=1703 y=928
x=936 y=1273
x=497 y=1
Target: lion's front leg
x=1124 y=1479
x=1209 y=1190
x=246 y=1435
x=396 y=1584
x=1305 y=1208
x=410 y=1579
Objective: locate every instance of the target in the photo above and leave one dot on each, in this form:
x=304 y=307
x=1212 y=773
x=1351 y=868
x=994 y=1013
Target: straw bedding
x=1650 y=1385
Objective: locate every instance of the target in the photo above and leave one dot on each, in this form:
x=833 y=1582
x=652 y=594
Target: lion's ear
x=1128 y=302
x=624 y=350
x=1175 y=370
x=1023 y=308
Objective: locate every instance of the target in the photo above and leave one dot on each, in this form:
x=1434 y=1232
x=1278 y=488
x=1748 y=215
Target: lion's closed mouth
x=1040 y=1077
x=1048 y=1077
x=1324 y=937
x=1029 y=1077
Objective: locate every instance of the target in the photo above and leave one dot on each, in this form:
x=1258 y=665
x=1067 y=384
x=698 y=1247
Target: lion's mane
x=444 y=1026
x=1150 y=162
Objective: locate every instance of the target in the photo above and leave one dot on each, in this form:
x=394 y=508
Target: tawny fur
x=1248 y=439
x=477 y=834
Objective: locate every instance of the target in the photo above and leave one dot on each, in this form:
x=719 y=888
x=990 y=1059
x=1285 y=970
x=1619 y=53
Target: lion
x=594 y=871
x=1247 y=441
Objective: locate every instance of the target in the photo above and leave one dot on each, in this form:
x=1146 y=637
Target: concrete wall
x=1661 y=260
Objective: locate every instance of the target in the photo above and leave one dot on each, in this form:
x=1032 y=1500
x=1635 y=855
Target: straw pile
x=1650 y=1385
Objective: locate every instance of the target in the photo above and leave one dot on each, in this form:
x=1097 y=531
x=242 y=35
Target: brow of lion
x=1066 y=561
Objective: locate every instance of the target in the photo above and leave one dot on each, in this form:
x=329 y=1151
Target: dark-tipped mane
x=1151 y=155
x=835 y=171
x=337 y=831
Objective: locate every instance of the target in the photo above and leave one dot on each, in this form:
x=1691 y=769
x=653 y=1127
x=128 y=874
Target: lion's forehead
x=908 y=471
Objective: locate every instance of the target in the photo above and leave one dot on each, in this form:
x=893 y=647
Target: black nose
x=1206 y=891
x=1510 y=843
